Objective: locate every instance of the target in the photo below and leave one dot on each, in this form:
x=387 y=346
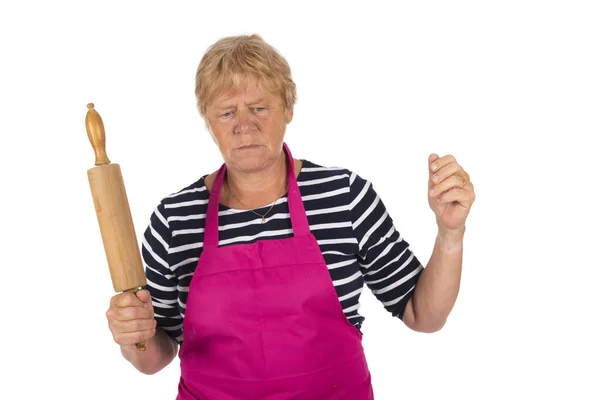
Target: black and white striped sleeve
x=389 y=267
x=161 y=281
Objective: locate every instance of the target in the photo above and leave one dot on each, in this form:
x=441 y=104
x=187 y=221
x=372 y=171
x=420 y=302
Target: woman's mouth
x=248 y=147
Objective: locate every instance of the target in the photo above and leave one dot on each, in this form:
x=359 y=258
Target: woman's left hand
x=451 y=193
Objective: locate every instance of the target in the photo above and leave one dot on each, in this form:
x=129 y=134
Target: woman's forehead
x=249 y=90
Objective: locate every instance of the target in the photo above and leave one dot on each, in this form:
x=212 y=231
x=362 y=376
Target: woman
x=255 y=271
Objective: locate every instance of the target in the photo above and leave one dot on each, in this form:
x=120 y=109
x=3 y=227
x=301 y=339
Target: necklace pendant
x=263 y=220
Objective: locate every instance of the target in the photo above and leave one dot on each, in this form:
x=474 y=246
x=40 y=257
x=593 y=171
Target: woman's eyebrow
x=255 y=101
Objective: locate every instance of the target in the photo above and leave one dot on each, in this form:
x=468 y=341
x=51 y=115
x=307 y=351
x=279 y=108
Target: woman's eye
x=260 y=109
x=226 y=115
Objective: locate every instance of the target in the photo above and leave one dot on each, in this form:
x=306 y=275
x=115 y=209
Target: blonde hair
x=233 y=58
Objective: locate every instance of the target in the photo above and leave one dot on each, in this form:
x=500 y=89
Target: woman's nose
x=243 y=122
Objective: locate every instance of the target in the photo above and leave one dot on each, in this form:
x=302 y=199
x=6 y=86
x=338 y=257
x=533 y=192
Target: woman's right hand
x=131 y=318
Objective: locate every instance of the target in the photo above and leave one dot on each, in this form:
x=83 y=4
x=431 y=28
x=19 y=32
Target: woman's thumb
x=144 y=296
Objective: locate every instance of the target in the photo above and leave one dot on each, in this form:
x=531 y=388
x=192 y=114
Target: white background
x=511 y=88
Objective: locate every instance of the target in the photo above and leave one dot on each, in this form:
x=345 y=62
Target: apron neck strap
x=211 y=228
x=296 y=207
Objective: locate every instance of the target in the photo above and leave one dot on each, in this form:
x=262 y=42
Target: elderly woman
x=255 y=270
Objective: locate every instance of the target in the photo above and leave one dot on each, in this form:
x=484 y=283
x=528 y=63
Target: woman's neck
x=256 y=189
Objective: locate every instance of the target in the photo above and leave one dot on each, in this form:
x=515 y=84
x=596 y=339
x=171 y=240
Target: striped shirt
x=353 y=230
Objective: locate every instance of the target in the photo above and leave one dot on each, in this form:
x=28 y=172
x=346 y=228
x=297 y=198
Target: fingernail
x=433 y=167
x=436 y=178
x=432 y=192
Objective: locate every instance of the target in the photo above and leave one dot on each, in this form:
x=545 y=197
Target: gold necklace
x=263 y=216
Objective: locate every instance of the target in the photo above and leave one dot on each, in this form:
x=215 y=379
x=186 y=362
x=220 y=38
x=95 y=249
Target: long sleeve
x=389 y=267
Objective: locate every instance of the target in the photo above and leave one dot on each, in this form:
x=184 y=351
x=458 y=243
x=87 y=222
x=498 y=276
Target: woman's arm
x=161 y=348
x=438 y=286
x=451 y=196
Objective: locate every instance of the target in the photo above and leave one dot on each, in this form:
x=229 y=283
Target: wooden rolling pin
x=114 y=215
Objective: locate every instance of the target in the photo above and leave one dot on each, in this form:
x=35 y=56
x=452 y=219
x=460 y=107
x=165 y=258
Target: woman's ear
x=289 y=114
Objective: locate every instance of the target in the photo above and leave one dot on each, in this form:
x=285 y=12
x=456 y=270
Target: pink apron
x=263 y=320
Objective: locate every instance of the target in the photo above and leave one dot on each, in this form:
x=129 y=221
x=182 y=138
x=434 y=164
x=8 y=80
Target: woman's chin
x=247 y=163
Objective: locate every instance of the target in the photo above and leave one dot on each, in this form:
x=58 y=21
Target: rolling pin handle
x=95 y=131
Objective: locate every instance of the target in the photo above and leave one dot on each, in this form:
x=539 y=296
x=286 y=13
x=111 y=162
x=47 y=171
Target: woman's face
x=248 y=124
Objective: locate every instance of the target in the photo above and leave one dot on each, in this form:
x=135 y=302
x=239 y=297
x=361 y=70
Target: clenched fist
x=131 y=318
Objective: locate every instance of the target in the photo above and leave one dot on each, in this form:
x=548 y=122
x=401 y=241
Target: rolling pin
x=114 y=215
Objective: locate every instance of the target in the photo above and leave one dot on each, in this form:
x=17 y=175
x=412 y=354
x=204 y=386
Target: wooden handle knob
x=95 y=131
